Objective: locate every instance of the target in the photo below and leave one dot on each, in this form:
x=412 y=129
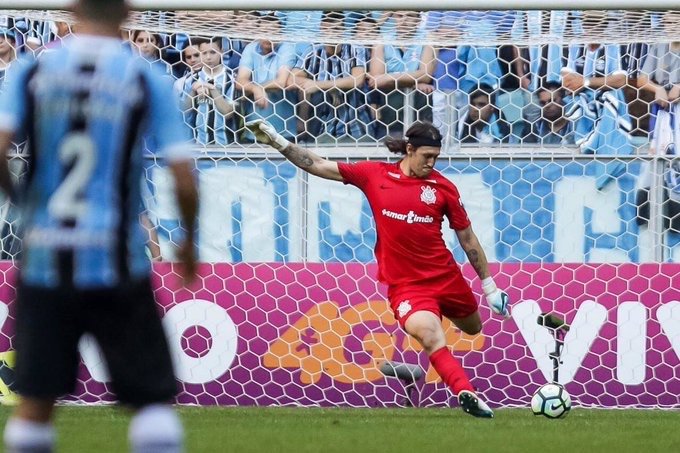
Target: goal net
x=560 y=131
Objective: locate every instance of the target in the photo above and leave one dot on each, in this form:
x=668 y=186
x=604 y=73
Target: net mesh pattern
x=559 y=129
x=457 y=27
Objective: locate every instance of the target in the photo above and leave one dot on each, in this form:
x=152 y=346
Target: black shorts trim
x=124 y=321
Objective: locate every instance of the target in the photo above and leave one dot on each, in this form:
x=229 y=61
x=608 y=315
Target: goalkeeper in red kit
x=409 y=200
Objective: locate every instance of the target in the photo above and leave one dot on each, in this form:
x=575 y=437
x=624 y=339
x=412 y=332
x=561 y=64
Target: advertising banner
x=316 y=334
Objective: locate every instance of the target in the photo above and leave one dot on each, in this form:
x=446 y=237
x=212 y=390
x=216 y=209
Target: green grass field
x=298 y=430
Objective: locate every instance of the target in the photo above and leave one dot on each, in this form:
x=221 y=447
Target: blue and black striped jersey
x=86 y=110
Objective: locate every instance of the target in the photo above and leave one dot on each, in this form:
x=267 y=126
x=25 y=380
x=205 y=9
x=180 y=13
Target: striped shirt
x=322 y=66
x=86 y=109
x=603 y=61
x=211 y=125
x=601 y=121
x=544 y=61
x=662 y=64
x=336 y=114
x=634 y=57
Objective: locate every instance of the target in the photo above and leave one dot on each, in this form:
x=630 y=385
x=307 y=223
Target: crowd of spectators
x=585 y=96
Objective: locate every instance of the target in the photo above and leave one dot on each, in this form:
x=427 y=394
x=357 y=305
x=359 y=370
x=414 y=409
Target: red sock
x=450 y=370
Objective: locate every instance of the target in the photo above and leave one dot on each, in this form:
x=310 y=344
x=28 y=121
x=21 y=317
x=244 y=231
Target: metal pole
x=409 y=108
x=303 y=186
x=656 y=197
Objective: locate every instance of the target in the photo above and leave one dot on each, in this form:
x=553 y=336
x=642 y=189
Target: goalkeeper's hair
x=419 y=130
x=103 y=11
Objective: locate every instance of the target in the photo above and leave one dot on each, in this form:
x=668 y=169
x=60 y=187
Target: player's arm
x=173 y=136
x=13 y=114
x=6 y=138
x=473 y=249
x=301 y=157
x=186 y=195
x=497 y=300
x=151 y=237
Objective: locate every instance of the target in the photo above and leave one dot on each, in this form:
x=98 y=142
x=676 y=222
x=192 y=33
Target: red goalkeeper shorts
x=448 y=296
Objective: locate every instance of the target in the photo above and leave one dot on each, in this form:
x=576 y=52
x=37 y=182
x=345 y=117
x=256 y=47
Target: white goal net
x=560 y=131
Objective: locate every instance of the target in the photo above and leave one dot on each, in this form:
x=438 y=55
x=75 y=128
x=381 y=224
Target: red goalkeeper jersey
x=408 y=215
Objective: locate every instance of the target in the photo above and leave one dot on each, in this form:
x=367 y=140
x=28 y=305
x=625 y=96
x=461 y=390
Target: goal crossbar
x=359 y=4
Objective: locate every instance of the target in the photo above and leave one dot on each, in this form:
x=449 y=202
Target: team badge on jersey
x=404 y=308
x=428 y=196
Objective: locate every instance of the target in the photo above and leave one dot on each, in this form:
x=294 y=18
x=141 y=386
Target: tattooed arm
x=311 y=163
x=301 y=157
x=473 y=249
x=498 y=300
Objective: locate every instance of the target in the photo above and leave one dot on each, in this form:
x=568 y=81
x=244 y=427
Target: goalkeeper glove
x=267 y=135
x=498 y=300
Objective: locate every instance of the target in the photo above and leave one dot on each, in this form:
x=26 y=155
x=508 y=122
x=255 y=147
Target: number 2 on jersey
x=77 y=150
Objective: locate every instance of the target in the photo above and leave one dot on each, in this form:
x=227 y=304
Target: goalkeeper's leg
x=425 y=326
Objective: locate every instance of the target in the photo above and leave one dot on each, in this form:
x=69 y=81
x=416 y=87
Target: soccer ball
x=552 y=401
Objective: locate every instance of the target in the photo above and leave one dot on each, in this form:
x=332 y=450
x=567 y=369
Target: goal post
x=579 y=219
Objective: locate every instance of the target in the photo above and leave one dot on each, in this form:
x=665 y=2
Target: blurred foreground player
x=85 y=110
x=409 y=200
